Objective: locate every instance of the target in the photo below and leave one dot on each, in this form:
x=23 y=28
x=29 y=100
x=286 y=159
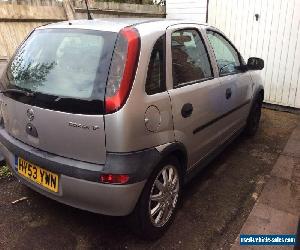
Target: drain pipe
x=207 y=3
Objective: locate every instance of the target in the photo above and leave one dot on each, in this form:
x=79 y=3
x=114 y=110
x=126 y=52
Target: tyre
x=254 y=117
x=159 y=201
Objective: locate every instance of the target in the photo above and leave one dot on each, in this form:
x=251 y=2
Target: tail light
x=114 y=178
x=122 y=70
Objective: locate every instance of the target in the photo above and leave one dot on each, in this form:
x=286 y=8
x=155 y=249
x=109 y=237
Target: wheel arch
x=177 y=150
x=259 y=93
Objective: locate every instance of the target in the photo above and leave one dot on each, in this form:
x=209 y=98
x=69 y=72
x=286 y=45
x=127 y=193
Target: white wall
x=275 y=37
x=189 y=9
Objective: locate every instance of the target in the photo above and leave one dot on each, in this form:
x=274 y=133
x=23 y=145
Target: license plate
x=37 y=174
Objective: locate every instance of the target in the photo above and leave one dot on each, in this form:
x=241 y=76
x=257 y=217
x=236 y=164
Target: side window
x=190 y=62
x=155 y=82
x=226 y=55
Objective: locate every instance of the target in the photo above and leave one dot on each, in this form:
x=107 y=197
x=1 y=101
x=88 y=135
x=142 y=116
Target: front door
x=235 y=84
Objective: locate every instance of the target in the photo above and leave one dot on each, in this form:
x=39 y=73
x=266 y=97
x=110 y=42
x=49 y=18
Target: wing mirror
x=255 y=63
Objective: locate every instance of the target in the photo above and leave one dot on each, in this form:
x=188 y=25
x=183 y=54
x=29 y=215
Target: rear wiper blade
x=58 y=98
x=20 y=91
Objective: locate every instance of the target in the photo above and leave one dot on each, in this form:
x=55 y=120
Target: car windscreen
x=63 y=63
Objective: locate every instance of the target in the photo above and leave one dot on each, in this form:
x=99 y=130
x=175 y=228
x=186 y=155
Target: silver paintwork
x=242 y=92
x=42 y=154
x=132 y=128
x=116 y=200
x=129 y=122
x=206 y=98
x=162 y=147
x=55 y=134
x=152 y=118
x=30 y=114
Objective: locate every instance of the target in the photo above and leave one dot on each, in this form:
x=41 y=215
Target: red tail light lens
x=122 y=70
x=114 y=178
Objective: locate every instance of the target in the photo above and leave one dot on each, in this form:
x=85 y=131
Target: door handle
x=187 y=110
x=228 y=93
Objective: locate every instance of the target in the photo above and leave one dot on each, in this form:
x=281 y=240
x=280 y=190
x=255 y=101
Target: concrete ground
x=278 y=208
x=215 y=206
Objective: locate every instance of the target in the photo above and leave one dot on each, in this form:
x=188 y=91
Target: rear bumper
x=77 y=180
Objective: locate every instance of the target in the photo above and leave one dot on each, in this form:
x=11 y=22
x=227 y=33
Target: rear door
x=64 y=71
x=236 y=84
x=195 y=93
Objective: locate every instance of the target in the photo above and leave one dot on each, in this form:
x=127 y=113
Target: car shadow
x=73 y=227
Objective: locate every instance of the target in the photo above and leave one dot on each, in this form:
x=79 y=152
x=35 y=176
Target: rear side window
x=190 y=60
x=156 y=80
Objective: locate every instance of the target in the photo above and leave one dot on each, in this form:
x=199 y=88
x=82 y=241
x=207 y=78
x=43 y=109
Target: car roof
x=116 y=24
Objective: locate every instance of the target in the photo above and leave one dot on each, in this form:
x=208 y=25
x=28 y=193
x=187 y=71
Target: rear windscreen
x=65 y=63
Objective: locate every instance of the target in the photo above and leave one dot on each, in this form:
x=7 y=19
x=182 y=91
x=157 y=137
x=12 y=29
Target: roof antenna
x=88 y=10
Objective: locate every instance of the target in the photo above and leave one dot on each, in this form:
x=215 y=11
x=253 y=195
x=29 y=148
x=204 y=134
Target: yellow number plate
x=38 y=175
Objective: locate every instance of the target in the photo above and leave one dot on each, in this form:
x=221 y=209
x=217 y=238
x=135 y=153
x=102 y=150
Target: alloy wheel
x=164 y=196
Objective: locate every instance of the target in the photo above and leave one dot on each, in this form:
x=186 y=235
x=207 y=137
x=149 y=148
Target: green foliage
x=5 y=172
x=27 y=74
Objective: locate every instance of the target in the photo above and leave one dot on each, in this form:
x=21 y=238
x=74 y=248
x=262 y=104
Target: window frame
x=208 y=56
x=164 y=72
x=241 y=60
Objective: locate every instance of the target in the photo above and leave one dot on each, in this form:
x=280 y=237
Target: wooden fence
x=19 y=17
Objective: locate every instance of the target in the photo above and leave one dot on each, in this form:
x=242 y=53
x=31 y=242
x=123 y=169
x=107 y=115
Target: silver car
x=114 y=116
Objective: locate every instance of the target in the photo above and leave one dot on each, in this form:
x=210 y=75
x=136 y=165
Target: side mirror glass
x=255 y=63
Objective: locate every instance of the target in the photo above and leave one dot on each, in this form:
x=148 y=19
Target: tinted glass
x=189 y=57
x=155 y=82
x=226 y=56
x=64 y=63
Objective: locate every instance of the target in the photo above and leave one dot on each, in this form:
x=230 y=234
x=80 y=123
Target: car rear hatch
x=54 y=92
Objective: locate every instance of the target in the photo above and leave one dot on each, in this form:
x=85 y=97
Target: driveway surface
x=278 y=206
x=215 y=206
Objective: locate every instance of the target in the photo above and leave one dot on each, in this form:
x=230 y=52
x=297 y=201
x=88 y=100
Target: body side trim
x=219 y=118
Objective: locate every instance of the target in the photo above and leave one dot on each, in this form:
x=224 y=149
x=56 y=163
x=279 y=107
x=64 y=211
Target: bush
x=5 y=172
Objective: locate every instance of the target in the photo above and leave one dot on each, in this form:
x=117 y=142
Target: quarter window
x=190 y=62
x=226 y=55
x=155 y=82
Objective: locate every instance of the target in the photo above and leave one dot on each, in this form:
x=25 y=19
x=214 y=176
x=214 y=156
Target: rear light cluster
x=114 y=178
x=122 y=69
